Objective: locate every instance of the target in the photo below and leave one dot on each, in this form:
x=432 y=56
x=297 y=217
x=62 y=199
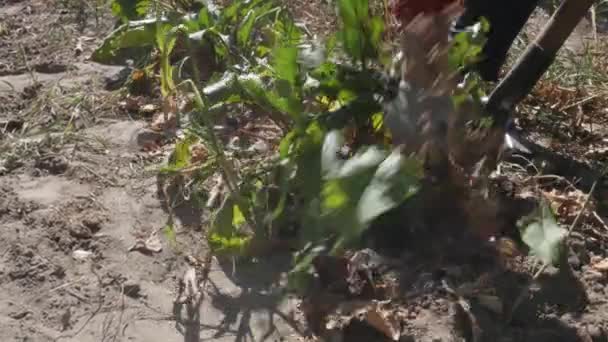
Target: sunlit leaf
x=286 y=63
x=233 y=245
x=330 y=161
x=361 y=33
x=130 y=9
x=466 y=47
x=311 y=56
x=395 y=180
x=221 y=89
x=132 y=35
x=264 y=96
x=362 y=161
x=222 y=222
x=205 y=18
x=334 y=196
x=300 y=276
x=286 y=144
x=377 y=122
x=541 y=232
x=238 y=219
x=169 y=233
x=181 y=154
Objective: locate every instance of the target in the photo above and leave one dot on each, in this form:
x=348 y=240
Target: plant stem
x=225 y=167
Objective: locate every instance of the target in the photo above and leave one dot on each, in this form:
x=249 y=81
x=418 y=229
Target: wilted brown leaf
x=132 y=104
x=162 y=122
x=507 y=248
x=167 y=120
x=383 y=321
x=198 y=153
x=567 y=205
x=373 y=313
x=148 y=109
x=151 y=245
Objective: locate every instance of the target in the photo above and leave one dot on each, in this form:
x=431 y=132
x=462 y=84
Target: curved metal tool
x=532 y=64
x=537 y=58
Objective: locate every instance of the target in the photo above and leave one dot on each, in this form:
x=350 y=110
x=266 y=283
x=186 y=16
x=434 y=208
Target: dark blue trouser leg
x=506 y=18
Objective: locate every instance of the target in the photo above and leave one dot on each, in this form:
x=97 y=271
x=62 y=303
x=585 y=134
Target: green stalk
x=226 y=168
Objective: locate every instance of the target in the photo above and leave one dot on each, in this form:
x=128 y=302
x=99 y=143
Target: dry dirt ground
x=75 y=195
x=77 y=192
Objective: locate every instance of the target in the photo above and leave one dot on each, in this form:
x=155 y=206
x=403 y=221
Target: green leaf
x=169 y=233
x=181 y=154
x=377 y=122
x=221 y=89
x=353 y=43
x=357 y=190
x=245 y=29
x=286 y=63
x=362 y=161
x=311 y=56
x=300 y=276
x=254 y=88
x=466 y=47
x=542 y=234
x=285 y=146
x=396 y=179
x=211 y=35
x=205 y=19
x=238 y=219
x=330 y=162
x=132 y=35
x=130 y=9
x=233 y=245
x=224 y=236
x=351 y=33
x=334 y=196
x=376 y=28
x=361 y=33
x=308 y=174
x=166 y=37
x=222 y=222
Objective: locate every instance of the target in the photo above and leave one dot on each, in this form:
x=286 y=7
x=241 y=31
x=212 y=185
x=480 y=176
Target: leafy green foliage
x=136 y=34
x=467 y=46
x=169 y=233
x=358 y=190
x=130 y=9
x=541 y=232
x=361 y=33
x=225 y=235
x=332 y=192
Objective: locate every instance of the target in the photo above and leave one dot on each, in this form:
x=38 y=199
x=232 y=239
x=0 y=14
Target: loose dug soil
x=77 y=193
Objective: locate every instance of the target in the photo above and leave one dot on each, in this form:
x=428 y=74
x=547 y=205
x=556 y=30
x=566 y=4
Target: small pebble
x=80 y=254
x=19 y=315
x=133 y=290
x=596 y=333
x=599 y=288
x=593 y=275
x=574 y=261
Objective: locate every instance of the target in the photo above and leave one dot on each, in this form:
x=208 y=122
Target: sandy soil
x=77 y=199
x=77 y=193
